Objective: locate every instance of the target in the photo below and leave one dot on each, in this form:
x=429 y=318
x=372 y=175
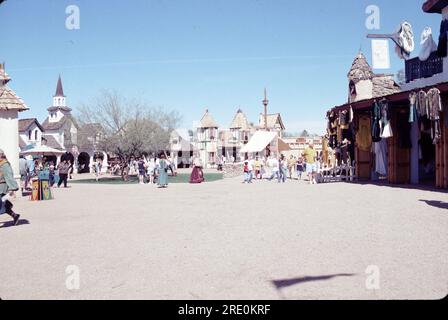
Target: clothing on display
x=376 y=128
x=363 y=136
x=434 y=109
x=380 y=151
x=404 y=40
x=428 y=45
x=422 y=103
x=412 y=107
x=386 y=128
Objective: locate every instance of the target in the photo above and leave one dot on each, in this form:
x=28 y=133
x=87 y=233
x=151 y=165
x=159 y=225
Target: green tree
x=128 y=128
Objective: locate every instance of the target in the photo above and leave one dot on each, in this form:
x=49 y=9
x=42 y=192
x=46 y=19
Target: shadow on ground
x=421 y=187
x=284 y=283
x=437 y=204
x=8 y=224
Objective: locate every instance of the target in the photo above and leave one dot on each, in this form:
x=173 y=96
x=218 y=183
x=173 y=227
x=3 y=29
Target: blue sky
x=189 y=55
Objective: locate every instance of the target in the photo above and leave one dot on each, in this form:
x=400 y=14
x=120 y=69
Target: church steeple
x=59 y=89
x=59 y=97
x=59 y=108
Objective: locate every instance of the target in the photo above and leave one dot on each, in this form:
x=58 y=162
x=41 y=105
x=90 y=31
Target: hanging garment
x=443 y=39
x=363 y=136
x=380 y=150
x=422 y=104
x=386 y=128
x=434 y=109
x=412 y=107
x=404 y=40
x=376 y=116
x=428 y=45
x=344 y=119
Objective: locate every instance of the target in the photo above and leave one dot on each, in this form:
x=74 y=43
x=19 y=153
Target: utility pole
x=265 y=103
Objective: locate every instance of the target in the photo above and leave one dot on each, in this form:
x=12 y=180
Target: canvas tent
x=42 y=150
x=261 y=139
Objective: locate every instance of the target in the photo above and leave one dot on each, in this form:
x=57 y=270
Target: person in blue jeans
x=283 y=168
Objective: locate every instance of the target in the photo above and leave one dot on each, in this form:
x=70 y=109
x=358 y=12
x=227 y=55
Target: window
x=35 y=135
x=29 y=135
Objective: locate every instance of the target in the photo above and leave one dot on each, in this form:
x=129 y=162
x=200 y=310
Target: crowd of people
x=282 y=168
x=30 y=167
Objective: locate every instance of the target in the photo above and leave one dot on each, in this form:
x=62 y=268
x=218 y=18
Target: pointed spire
x=59 y=89
x=4 y=77
x=360 y=69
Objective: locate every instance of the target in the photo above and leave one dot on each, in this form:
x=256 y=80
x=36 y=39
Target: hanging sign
x=380 y=54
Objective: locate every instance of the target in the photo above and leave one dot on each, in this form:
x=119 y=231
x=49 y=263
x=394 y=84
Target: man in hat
x=8 y=186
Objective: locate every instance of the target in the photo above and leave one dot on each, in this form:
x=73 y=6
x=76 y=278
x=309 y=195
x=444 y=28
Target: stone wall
x=232 y=170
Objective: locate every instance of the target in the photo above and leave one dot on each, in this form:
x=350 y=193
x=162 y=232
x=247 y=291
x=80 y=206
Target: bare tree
x=128 y=128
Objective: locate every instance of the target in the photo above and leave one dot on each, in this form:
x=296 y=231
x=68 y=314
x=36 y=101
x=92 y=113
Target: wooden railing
x=416 y=69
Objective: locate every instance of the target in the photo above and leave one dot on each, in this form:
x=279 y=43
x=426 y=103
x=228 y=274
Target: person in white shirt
x=274 y=164
x=150 y=169
x=251 y=164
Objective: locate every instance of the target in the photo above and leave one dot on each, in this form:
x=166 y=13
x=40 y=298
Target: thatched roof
x=272 y=119
x=360 y=69
x=240 y=121
x=8 y=98
x=10 y=101
x=207 y=121
x=383 y=85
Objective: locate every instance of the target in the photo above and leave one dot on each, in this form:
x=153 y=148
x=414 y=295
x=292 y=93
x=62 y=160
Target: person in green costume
x=8 y=186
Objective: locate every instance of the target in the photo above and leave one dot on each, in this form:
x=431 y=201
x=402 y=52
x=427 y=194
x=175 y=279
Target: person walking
x=310 y=160
x=275 y=168
x=283 y=168
x=300 y=168
x=251 y=165
x=257 y=168
x=291 y=166
x=23 y=169
x=141 y=170
x=162 y=169
x=197 y=175
x=150 y=169
x=8 y=187
x=63 y=168
x=51 y=175
x=246 y=171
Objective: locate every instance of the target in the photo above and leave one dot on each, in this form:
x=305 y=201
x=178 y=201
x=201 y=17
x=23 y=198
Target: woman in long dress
x=162 y=168
x=197 y=175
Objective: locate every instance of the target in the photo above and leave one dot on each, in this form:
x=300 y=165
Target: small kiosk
x=41 y=187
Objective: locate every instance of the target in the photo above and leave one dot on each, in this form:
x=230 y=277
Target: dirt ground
x=228 y=240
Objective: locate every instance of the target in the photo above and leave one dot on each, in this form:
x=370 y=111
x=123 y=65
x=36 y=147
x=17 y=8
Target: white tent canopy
x=42 y=150
x=259 y=141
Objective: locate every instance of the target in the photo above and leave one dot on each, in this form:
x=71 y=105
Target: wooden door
x=399 y=158
x=363 y=158
x=442 y=156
